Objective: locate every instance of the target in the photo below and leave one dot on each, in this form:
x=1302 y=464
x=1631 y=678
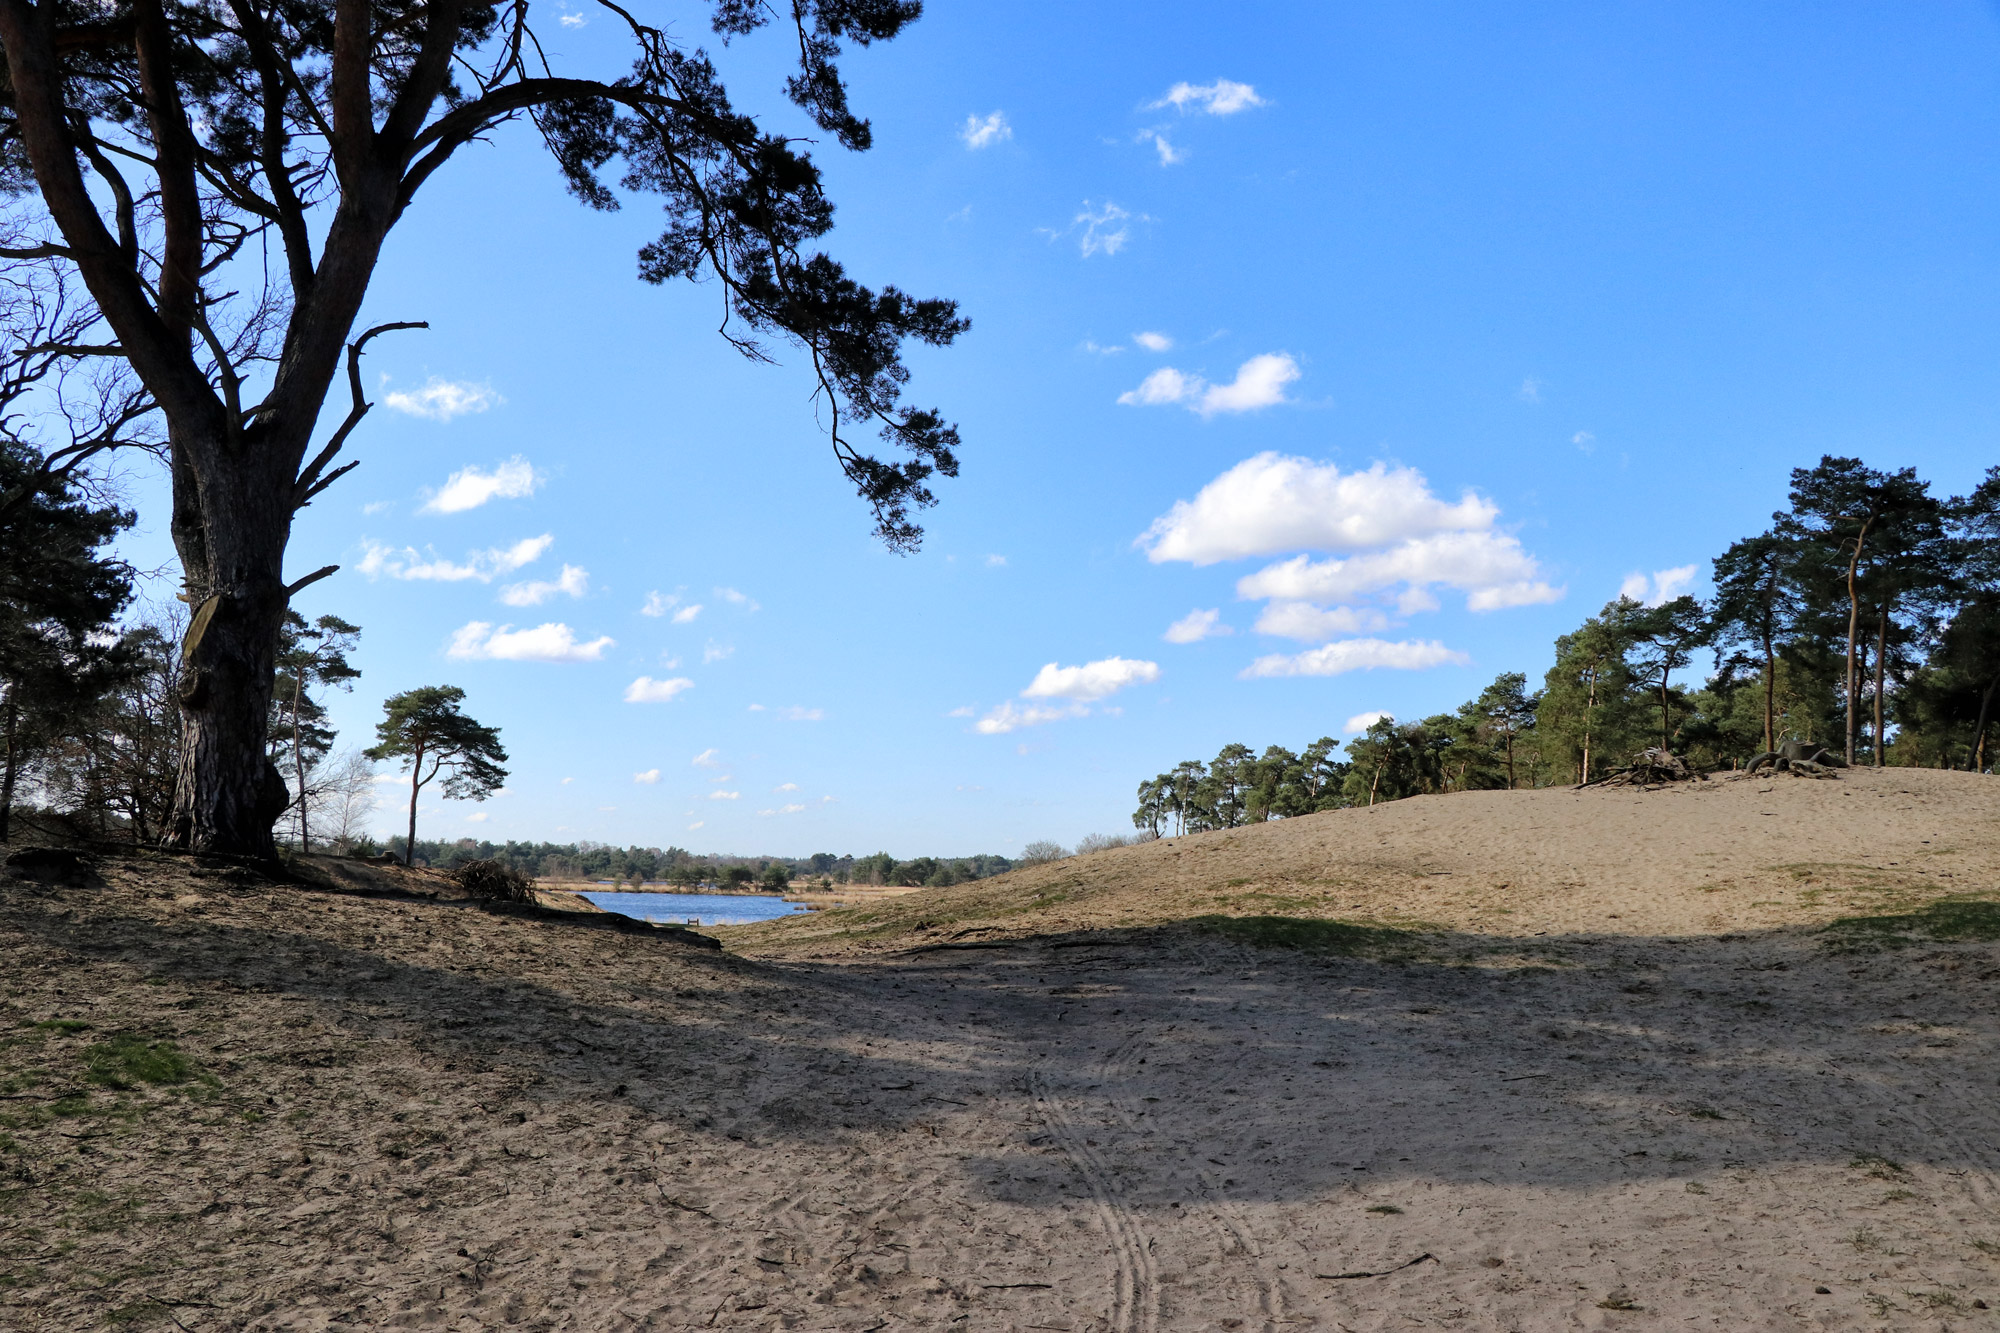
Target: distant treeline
x=684 y=869
x=1865 y=619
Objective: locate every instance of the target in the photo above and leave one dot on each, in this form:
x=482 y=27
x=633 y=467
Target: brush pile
x=1652 y=767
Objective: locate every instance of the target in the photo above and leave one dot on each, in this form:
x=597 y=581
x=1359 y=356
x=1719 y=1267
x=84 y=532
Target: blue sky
x=1397 y=337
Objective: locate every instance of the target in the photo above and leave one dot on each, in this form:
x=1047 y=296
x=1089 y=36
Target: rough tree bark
x=1853 y=719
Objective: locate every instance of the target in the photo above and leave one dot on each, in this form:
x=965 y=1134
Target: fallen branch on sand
x=1342 y=1277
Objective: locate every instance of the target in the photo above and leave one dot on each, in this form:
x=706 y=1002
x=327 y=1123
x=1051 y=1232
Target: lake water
x=710 y=909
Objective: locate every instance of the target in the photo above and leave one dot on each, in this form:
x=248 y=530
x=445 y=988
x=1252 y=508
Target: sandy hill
x=1701 y=858
x=1718 y=1057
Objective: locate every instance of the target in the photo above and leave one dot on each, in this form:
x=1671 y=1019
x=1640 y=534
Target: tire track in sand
x=1135 y=1291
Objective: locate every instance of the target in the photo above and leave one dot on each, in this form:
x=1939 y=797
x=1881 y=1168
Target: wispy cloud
x=573 y=20
x=1662 y=587
x=1530 y=390
x=785 y=787
x=725 y=796
x=1105 y=228
x=442 y=399
x=798 y=714
x=552 y=642
x=408 y=563
x=471 y=487
x=1154 y=342
x=1196 y=626
x=715 y=652
x=649 y=777
x=996 y=561
x=783 y=810
x=646 y=690
x=735 y=598
x=709 y=758
x=1338 y=658
x=1585 y=441
x=686 y=614
x=1360 y=722
x=573 y=581
x=1224 y=97
x=1260 y=382
x=1169 y=155
x=984 y=131
x=1008 y=718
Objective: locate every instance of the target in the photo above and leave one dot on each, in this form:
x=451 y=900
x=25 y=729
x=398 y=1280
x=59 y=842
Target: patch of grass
x=1987 y=1247
x=1864 y=1240
x=1700 y=1112
x=1937 y=1300
x=128 y=1059
x=1384 y=1208
x=1897 y=1196
x=1618 y=1300
x=61 y=1025
x=1952 y=919
x=1696 y=1187
x=1311 y=936
x=1876 y=1166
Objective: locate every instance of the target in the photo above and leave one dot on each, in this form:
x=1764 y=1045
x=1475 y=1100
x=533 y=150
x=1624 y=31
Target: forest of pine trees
x=1865 y=619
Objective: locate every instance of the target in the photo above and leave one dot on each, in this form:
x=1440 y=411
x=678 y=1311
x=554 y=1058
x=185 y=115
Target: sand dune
x=1620 y=1079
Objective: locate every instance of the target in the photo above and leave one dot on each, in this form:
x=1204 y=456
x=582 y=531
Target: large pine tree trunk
x=231 y=522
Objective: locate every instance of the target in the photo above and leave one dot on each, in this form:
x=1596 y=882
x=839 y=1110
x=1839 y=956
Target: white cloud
x=965 y=711
x=1091 y=681
x=1661 y=588
x=374 y=507
x=485 y=566
x=1272 y=503
x=1360 y=722
x=725 y=796
x=1530 y=390
x=736 y=598
x=477 y=817
x=442 y=399
x=1154 y=342
x=573 y=20
x=1312 y=624
x=1260 y=382
x=1165 y=385
x=797 y=714
x=726 y=777
x=1100 y=349
x=996 y=561
x=649 y=777
x=1080 y=685
x=1490 y=567
x=790 y=809
x=1224 y=97
x=656 y=604
x=697 y=824
x=1346 y=655
x=552 y=642
x=786 y=786
x=574 y=581
x=1169 y=155
x=646 y=690
x=472 y=487
x=709 y=758
x=1105 y=230
x=1196 y=626
x=686 y=614
x=756 y=708
x=1585 y=441
x=985 y=131
x=715 y=652
x=1007 y=717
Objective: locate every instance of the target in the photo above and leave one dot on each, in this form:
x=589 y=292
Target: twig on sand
x=671 y=1201
x=1342 y=1277
x=1518 y=1077
x=965 y=944
x=1016 y=1286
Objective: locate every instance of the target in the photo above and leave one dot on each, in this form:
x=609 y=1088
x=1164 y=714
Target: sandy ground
x=1627 y=1083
